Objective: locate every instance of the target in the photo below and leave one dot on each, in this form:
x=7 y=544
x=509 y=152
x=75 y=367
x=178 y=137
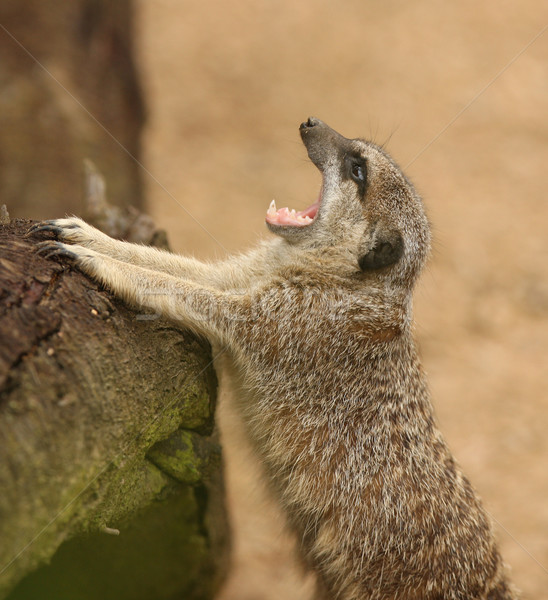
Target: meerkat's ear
x=387 y=250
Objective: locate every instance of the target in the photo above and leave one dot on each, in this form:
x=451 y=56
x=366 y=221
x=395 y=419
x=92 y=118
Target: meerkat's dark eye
x=358 y=172
x=355 y=168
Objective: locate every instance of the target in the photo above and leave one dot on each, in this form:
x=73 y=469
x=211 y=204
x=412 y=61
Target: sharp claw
x=36 y=225
x=50 y=248
x=45 y=246
x=44 y=226
x=41 y=224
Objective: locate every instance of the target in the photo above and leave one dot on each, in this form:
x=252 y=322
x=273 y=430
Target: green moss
x=197 y=406
x=133 y=486
x=188 y=408
x=185 y=456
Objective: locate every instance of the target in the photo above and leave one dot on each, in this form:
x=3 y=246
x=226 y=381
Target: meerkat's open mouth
x=291 y=218
x=287 y=219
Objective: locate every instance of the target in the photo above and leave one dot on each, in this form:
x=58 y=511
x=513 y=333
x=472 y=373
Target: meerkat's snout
x=325 y=148
x=289 y=222
x=322 y=142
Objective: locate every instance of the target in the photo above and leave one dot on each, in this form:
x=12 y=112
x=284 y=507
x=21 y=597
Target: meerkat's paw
x=84 y=258
x=72 y=230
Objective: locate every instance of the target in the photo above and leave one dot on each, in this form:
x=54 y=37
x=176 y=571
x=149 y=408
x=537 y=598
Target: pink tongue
x=310 y=211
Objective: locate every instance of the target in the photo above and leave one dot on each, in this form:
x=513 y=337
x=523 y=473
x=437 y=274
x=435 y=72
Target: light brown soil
x=228 y=84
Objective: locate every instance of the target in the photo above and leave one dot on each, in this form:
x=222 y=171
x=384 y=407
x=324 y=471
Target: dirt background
x=458 y=92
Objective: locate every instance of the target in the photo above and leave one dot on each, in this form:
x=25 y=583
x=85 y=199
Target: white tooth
x=292 y=214
x=272 y=208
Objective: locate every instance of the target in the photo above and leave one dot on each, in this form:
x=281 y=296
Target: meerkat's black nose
x=311 y=122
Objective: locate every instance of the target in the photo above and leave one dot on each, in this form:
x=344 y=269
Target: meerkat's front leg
x=76 y=231
x=207 y=311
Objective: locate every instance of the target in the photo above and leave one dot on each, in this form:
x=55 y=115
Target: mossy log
x=110 y=472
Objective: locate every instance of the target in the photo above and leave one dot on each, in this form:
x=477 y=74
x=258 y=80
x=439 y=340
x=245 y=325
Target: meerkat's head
x=366 y=206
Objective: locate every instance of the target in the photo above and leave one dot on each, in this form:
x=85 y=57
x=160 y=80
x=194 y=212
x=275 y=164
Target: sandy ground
x=459 y=93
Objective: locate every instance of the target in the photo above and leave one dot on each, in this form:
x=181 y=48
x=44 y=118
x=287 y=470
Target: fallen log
x=110 y=472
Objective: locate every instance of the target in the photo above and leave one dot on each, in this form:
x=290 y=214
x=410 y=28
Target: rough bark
x=70 y=91
x=106 y=424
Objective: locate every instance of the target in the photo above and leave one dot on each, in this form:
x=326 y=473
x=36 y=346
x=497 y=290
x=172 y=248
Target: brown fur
x=318 y=330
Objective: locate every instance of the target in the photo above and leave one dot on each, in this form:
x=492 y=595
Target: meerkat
x=316 y=325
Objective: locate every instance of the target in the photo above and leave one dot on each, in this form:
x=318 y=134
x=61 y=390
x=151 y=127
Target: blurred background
x=457 y=93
